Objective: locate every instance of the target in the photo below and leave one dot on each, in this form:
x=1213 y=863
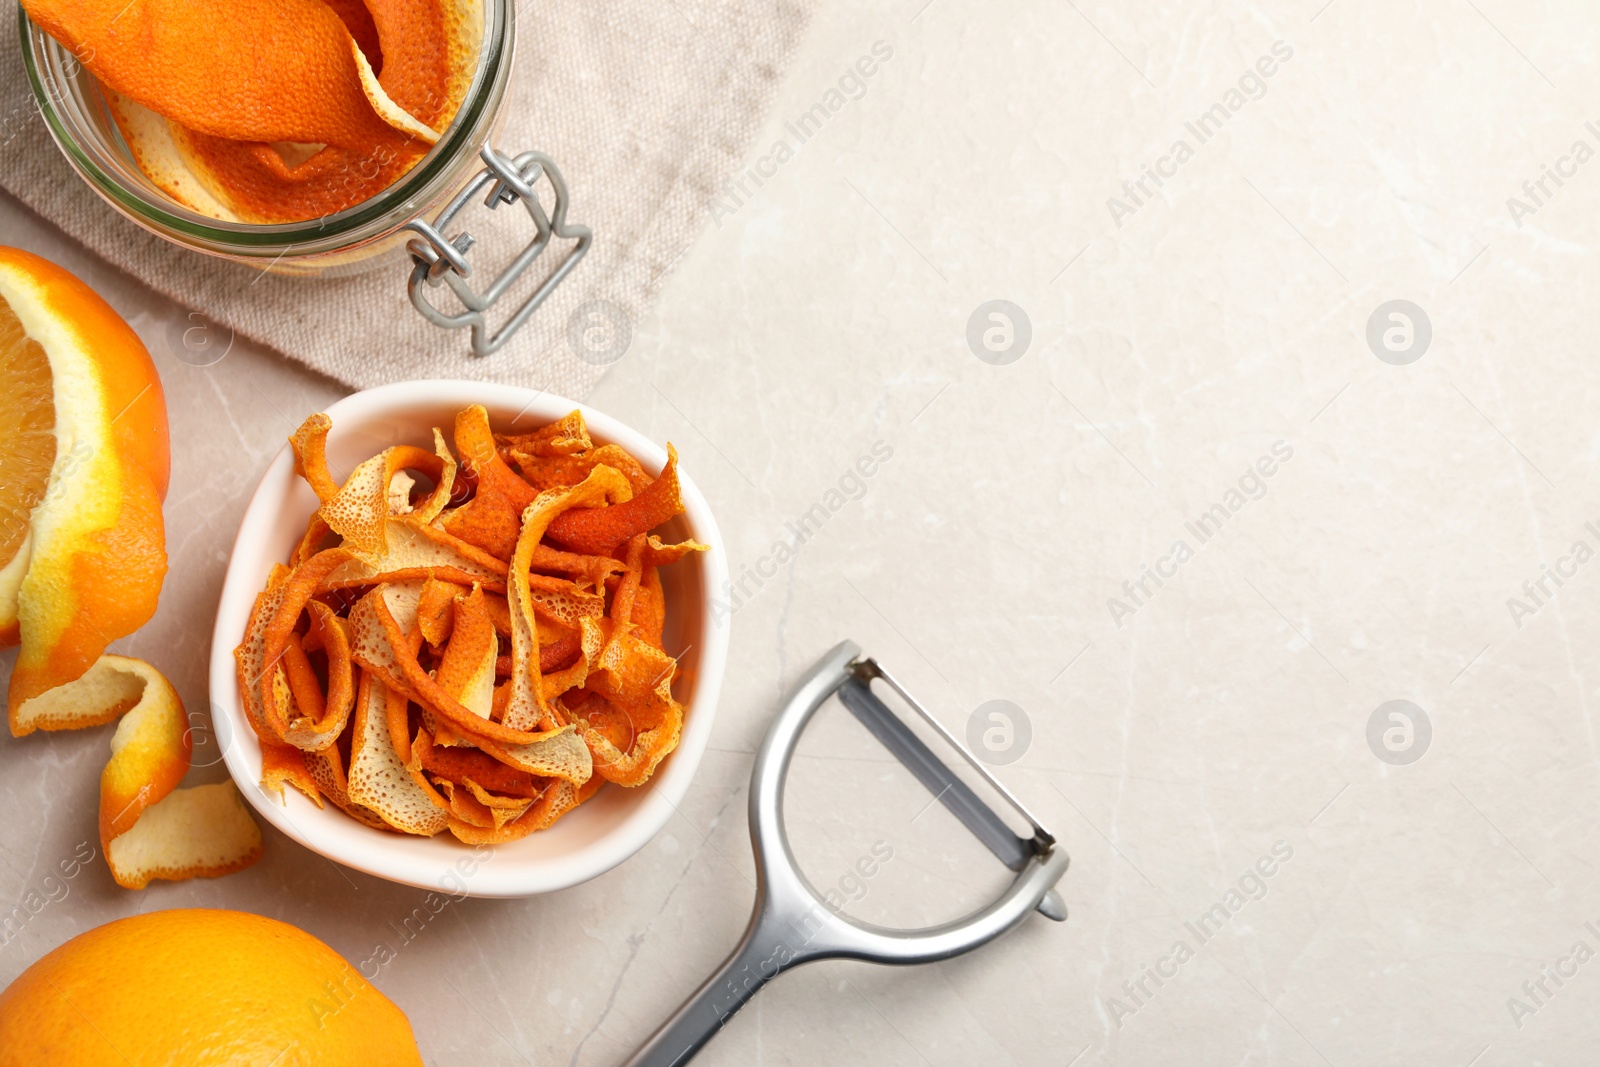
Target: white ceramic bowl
x=601 y=833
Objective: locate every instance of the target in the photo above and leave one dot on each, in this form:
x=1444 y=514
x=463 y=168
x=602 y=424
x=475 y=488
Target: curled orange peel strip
x=436 y=610
x=378 y=779
x=635 y=682
x=490 y=519
x=501 y=809
x=415 y=551
x=250 y=659
x=458 y=764
x=310 y=446
x=461 y=807
x=315 y=540
x=284 y=763
x=466 y=671
x=427 y=48
x=557 y=651
x=358 y=21
x=597 y=571
x=627 y=589
x=659 y=554
x=297 y=590
x=649 y=619
x=558 y=680
x=554 y=471
x=148 y=827
x=304 y=689
x=320 y=718
x=527 y=707
x=327 y=771
x=600 y=530
x=564 y=437
x=253 y=182
x=560 y=798
x=373 y=496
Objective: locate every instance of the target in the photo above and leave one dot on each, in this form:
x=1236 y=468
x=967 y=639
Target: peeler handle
x=757 y=960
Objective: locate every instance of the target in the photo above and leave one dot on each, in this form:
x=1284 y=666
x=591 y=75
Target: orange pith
x=27 y=430
x=358 y=20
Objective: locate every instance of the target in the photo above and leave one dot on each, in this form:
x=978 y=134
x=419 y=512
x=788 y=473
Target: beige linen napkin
x=646 y=107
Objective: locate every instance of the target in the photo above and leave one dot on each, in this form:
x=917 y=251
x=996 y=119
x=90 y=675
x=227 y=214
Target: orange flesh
x=27 y=430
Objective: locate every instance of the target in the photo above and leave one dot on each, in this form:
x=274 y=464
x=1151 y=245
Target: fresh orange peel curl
x=274 y=110
x=149 y=828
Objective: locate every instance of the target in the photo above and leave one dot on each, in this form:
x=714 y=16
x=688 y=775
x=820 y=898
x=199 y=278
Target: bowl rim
x=374 y=851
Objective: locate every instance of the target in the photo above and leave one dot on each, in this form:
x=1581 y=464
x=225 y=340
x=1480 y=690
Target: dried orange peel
x=274 y=110
x=499 y=679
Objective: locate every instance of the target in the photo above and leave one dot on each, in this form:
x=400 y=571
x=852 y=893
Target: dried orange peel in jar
x=273 y=110
x=459 y=644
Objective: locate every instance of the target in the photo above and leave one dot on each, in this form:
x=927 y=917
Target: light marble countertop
x=1187 y=732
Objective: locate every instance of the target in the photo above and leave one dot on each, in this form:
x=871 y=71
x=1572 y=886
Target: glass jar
x=404 y=222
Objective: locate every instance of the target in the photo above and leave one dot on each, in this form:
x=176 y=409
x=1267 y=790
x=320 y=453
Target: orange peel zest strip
x=436 y=610
x=379 y=645
x=378 y=778
x=600 y=530
x=490 y=518
x=560 y=798
x=298 y=588
x=322 y=717
x=565 y=436
x=371 y=498
x=148 y=827
x=466 y=670
x=416 y=550
x=527 y=707
x=659 y=554
x=650 y=607
x=554 y=472
x=285 y=763
x=326 y=768
x=310 y=446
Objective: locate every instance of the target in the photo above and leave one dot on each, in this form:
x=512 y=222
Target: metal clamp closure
x=440 y=260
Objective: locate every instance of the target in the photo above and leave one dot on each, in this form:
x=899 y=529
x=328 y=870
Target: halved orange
x=83 y=553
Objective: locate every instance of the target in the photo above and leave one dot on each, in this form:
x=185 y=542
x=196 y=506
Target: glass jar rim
x=432 y=178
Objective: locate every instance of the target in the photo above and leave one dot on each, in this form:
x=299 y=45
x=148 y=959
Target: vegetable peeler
x=791 y=923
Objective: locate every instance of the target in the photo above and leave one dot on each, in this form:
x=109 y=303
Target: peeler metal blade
x=959 y=798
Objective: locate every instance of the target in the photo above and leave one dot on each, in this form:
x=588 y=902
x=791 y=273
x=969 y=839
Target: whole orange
x=202 y=988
